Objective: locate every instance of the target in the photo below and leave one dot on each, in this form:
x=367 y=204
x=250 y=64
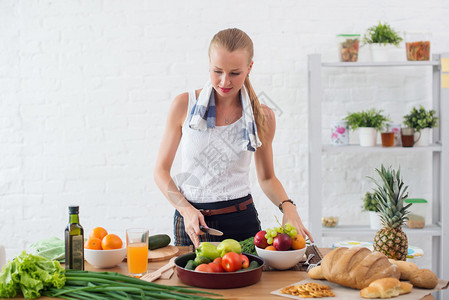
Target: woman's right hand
x=193 y=218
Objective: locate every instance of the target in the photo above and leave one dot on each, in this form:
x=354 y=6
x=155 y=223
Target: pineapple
x=391 y=193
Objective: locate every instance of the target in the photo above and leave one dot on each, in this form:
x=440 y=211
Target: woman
x=219 y=128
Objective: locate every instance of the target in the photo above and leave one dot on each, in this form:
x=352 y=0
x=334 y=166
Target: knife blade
x=211 y=231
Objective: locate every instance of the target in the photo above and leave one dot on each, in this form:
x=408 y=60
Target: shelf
x=354 y=230
x=356 y=148
x=440 y=156
x=382 y=64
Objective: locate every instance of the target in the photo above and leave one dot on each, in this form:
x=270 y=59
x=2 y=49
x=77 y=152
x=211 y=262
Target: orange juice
x=137 y=256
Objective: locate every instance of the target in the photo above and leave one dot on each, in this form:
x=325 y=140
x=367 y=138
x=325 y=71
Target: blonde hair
x=235 y=39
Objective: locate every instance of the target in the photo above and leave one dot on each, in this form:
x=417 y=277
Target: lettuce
x=30 y=274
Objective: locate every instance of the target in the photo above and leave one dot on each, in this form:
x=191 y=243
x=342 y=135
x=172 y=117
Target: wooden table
x=270 y=281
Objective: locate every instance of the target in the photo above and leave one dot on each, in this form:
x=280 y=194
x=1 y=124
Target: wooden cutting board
x=162 y=253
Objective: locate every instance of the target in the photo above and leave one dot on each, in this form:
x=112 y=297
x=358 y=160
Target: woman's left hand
x=291 y=216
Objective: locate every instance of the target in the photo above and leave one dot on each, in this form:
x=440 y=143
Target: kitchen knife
x=211 y=231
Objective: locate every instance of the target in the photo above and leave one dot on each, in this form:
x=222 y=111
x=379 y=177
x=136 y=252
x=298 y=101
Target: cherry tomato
x=215 y=268
x=231 y=262
x=204 y=268
x=245 y=261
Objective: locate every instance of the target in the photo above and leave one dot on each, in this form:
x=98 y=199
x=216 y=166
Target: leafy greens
x=30 y=274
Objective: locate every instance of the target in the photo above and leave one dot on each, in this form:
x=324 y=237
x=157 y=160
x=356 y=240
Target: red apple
x=260 y=240
x=282 y=242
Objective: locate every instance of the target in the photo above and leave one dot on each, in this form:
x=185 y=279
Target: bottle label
x=77 y=252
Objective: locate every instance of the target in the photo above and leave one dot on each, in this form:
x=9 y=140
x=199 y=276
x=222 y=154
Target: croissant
x=357 y=267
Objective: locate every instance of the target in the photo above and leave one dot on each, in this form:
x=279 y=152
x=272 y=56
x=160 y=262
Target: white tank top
x=214 y=166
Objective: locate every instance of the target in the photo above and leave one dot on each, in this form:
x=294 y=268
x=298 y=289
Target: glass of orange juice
x=137 y=251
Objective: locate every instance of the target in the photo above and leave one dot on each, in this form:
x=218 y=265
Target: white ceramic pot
x=374 y=220
x=382 y=53
x=368 y=136
x=424 y=139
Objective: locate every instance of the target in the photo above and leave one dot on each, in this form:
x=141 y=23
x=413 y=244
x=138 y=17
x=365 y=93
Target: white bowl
x=281 y=260
x=104 y=258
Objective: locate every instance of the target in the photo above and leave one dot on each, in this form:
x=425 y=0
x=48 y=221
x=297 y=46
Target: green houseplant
x=422 y=121
x=382 y=34
x=421 y=118
x=368 y=123
x=370 y=204
x=383 y=42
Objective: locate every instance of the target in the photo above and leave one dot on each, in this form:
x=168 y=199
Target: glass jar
x=329 y=221
x=417 y=45
x=418 y=213
x=348 y=45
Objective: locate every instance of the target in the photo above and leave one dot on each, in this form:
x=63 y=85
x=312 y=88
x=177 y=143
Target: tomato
x=231 y=262
x=204 y=268
x=245 y=261
x=215 y=268
x=217 y=261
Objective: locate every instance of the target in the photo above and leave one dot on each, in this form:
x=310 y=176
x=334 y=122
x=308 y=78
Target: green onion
x=110 y=285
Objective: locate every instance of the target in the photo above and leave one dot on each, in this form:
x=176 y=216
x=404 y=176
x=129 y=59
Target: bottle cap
x=73 y=209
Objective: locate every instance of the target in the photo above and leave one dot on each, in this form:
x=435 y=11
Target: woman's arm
x=166 y=155
x=268 y=181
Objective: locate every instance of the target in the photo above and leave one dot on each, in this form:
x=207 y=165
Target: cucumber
x=252 y=265
x=190 y=265
x=158 y=241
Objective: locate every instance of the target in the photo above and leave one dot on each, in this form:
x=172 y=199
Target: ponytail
x=259 y=115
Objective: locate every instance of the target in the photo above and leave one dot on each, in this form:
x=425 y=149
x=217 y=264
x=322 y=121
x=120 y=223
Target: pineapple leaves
x=390 y=194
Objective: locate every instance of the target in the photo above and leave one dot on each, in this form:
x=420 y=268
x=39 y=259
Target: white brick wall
x=85 y=87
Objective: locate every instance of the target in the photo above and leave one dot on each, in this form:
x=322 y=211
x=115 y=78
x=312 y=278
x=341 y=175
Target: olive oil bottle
x=74 y=241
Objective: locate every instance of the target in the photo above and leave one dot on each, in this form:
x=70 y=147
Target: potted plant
x=383 y=42
x=370 y=205
x=422 y=121
x=368 y=123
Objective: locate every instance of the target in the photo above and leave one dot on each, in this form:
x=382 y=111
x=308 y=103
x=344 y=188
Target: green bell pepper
x=208 y=250
x=229 y=245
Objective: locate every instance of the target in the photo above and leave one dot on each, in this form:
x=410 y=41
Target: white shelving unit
x=439 y=231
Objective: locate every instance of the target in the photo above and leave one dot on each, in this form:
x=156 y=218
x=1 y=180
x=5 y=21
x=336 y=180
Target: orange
x=93 y=243
x=298 y=242
x=111 y=241
x=271 y=248
x=98 y=232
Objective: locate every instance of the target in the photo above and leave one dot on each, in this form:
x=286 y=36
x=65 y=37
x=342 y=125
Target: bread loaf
x=405 y=267
x=357 y=267
x=316 y=273
x=424 y=278
x=386 y=288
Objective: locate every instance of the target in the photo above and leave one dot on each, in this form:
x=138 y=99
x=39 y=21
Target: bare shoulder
x=269 y=114
x=179 y=107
